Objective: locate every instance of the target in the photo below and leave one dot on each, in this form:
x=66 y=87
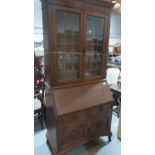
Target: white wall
x=115 y=29
x=38 y=32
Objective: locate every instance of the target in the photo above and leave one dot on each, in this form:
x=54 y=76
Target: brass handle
x=73 y=133
x=99 y=124
x=100 y=109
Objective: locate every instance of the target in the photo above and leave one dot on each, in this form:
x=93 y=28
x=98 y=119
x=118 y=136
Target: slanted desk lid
x=77 y=98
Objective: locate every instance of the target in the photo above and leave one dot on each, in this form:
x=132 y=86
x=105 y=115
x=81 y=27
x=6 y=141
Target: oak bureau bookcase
x=76 y=35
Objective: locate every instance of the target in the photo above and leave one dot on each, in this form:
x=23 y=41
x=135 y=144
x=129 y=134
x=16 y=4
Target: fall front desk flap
x=71 y=99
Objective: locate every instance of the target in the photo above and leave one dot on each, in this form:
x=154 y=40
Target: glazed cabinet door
x=95 y=45
x=68 y=45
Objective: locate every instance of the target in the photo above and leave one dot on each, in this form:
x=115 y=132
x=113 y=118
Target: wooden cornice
x=105 y=3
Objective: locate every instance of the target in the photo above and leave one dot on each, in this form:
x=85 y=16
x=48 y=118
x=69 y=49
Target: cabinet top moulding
x=105 y=3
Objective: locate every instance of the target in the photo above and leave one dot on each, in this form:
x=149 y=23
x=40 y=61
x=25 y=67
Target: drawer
x=97 y=126
x=73 y=133
x=77 y=116
x=99 y=110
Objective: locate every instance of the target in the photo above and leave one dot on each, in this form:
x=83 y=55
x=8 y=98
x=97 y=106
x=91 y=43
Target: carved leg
x=109 y=138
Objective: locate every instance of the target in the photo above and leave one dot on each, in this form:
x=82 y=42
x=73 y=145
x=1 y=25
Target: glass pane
x=68 y=67
x=68 y=22
x=60 y=22
x=61 y=38
x=75 y=38
x=68 y=43
x=94 y=45
x=75 y=22
x=68 y=38
x=93 y=65
x=68 y=27
x=75 y=47
x=60 y=48
x=68 y=48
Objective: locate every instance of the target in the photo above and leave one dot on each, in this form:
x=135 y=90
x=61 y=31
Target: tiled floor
x=98 y=147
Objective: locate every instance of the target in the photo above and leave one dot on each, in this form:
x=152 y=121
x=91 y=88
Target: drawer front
x=99 y=110
x=72 y=133
x=98 y=126
x=77 y=116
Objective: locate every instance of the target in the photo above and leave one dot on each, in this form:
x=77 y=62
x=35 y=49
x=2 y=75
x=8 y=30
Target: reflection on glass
x=68 y=42
x=94 y=45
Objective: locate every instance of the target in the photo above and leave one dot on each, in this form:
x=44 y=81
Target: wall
x=38 y=32
x=115 y=29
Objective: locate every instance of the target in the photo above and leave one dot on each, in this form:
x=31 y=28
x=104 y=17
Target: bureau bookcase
x=76 y=35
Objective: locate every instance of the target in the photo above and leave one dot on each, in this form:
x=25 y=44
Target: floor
x=100 y=146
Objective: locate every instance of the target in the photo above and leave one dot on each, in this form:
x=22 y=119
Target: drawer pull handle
x=100 y=109
x=99 y=124
x=73 y=133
